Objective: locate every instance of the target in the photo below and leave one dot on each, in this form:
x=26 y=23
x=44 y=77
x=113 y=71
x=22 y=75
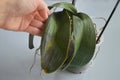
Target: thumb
x=43 y=10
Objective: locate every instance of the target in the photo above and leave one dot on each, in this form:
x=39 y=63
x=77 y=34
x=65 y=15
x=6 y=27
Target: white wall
x=16 y=58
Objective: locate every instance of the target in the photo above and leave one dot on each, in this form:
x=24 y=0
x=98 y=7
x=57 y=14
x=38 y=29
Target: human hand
x=23 y=15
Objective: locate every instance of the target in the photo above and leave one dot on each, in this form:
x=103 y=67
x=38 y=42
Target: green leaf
x=55 y=42
x=87 y=45
x=68 y=6
x=76 y=38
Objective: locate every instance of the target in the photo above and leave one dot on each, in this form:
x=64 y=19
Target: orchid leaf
x=68 y=6
x=68 y=40
x=76 y=37
x=55 y=42
x=87 y=46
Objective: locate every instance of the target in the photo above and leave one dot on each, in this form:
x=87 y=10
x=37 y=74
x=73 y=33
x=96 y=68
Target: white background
x=16 y=58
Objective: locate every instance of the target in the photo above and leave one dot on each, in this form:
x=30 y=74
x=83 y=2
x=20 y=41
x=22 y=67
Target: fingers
x=43 y=10
x=31 y=25
x=35 y=27
x=44 y=14
x=37 y=24
x=39 y=17
x=33 y=30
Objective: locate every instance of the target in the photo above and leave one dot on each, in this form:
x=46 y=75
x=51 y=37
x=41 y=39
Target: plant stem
x=73 y=2
x=31 y=37
x=108 y=21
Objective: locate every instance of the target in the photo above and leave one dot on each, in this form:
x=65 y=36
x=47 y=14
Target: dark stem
x=73 y=2
x=108 y=21
x=31 y=37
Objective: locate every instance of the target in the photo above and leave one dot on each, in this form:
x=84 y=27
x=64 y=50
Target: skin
x=23 y=15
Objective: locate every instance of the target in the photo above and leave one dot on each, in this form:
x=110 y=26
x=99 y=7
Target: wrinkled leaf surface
x=87 y=46
x=55 y=42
